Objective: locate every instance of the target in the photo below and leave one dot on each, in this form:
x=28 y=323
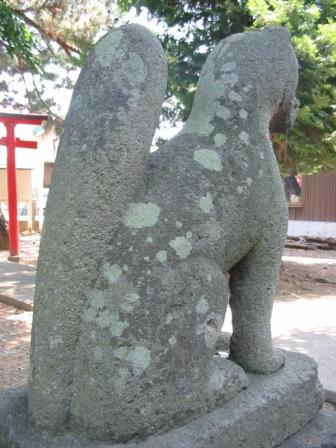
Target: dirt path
x=307 y=274
x=15 y=328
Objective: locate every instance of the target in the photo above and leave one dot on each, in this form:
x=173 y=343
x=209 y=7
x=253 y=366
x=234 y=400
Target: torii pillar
x=12 y=142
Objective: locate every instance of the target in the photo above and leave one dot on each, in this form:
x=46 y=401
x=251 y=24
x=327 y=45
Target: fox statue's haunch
x=132 y=284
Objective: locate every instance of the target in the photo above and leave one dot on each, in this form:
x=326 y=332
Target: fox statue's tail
x=107 y=135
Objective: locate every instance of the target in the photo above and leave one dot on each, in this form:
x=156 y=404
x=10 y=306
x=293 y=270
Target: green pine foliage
x=194 y=27
x=16 y=38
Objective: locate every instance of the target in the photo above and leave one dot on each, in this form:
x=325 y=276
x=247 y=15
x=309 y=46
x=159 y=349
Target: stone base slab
x=319 y=433
x=272 y=408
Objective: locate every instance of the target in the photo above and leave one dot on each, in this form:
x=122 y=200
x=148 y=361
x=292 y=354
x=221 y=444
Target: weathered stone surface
x=107 y=136
x=270 y=410
x=128 y=351
x=319 y=433
x=211 y=202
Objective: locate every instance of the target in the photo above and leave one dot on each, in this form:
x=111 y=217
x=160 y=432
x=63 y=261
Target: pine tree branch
x=51 y=50
x=53 y=36
x=36 y=8
x=43 y=102
x=26 y=87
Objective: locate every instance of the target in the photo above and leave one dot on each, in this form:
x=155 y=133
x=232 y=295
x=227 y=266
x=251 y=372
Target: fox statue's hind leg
x=252 y=285
x=167 y=368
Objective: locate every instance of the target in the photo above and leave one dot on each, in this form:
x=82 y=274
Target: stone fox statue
x=135 y=347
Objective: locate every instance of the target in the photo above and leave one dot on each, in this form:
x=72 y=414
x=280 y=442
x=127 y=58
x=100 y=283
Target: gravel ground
x=29 y=248
x=15 y=328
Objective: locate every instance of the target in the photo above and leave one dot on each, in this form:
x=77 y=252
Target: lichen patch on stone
x=244 y=137
x=121 y=353
x=169 y=319
x=110 y=321
x=161 y=256
x=212 y=229
x=55 y=341
x=121 y=379
x=229 y=66
x=182 y=245
x=140 y=359
x=90 y=314
x=219 y=139
x=107 y=48
x=172 y=340
x=117 y=328
x=141 y=215
x=243 y=114
x=206 y=203
x=202 y=306
x=111 y=273
x=97 y=300
x=129 y=300
x=134 y=69
x=223 y=112
x=209 y=159
x=230 y=78
x=234 y=96
x=98 y=353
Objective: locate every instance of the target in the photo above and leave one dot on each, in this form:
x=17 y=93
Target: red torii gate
x=12 y=142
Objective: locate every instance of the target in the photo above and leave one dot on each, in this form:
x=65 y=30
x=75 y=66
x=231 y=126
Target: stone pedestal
x=270 y=410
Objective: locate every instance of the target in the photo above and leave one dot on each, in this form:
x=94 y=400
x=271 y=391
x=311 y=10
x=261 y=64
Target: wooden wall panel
x=318 y=199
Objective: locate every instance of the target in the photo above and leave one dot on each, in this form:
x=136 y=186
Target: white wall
x=312 y=228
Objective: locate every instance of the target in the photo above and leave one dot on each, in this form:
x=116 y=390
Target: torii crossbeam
x=11 y=142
